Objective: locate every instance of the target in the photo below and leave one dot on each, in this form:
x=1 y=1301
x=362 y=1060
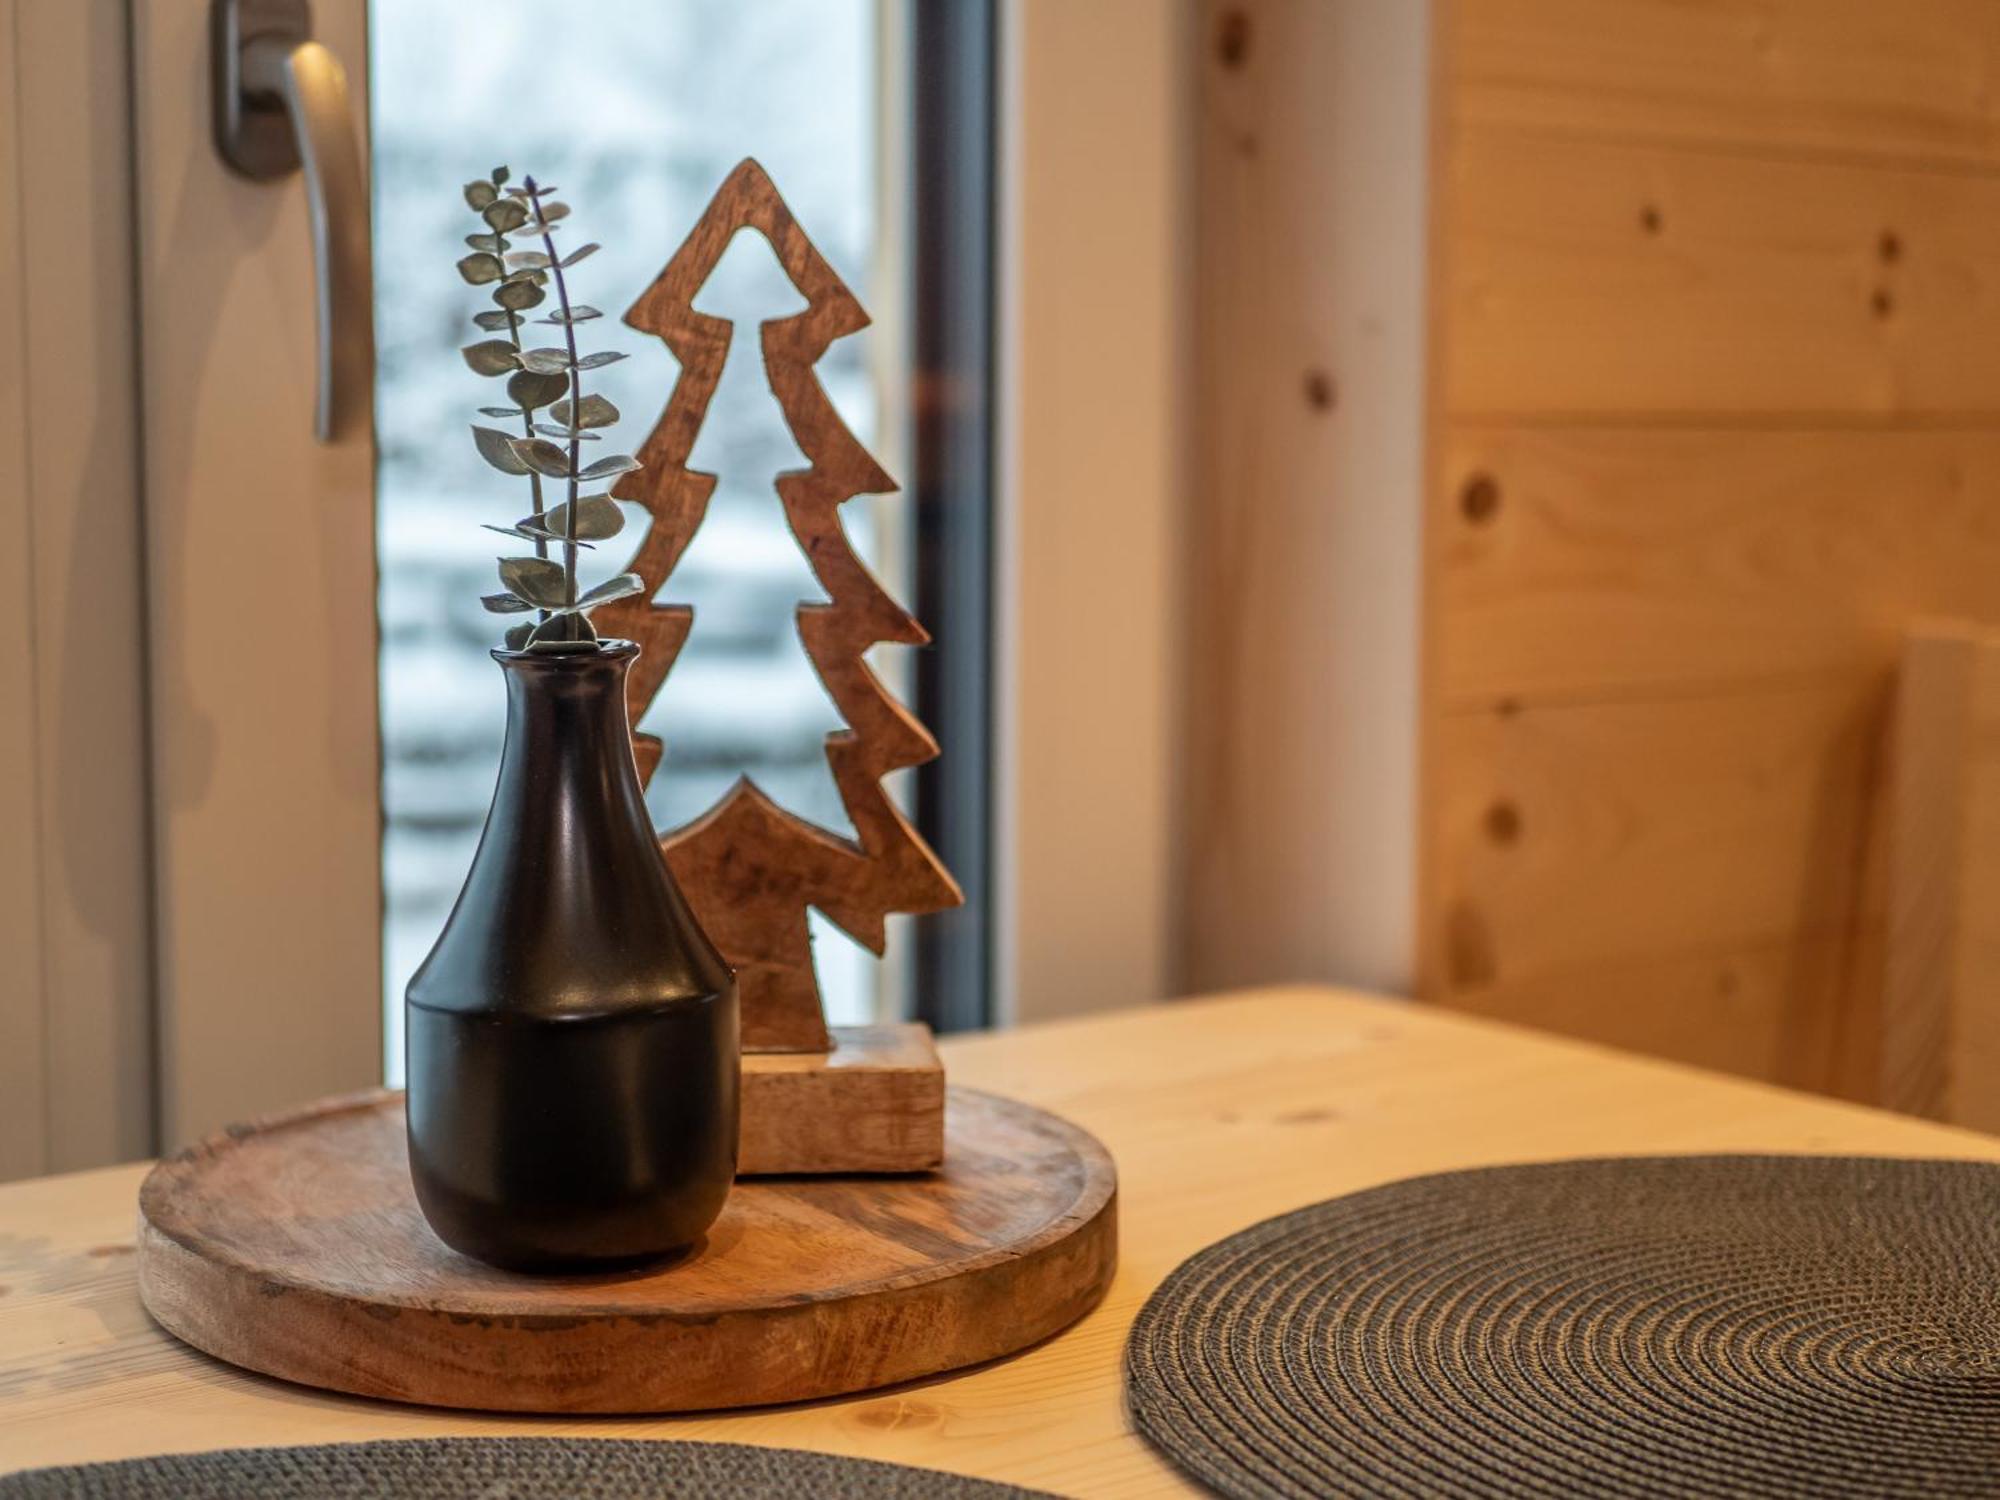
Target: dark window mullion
x=952 y=143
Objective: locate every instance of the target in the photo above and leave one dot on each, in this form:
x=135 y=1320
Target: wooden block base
x=873 y=1104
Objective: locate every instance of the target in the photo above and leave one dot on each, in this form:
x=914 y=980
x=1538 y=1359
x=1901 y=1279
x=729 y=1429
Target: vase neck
x=567 y=724
x=569 y=907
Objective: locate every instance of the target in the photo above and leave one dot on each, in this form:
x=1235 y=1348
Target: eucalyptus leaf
x=520 y=533
x=601 y=357
x=545 y=361
x=498 y=450
x=624 y=586
x=543 y=456
x=554 y=211
x=493 y=322
x=499 y=411
x=518 y=294
x=604 y=468
x=505 y=214
x=480 y=193
x=492 y=244
x=535 y=579
x=528 y=260
x=530 y=188
x=578 y=254
x=530 y=390
x=518 y=636
x=566 y=434
x=597 y=517
x=491 y=356
x=499 y=176
x=578 y=314
x=594 y=411
x=480 y=267
x=534 y=531
x=505 y=604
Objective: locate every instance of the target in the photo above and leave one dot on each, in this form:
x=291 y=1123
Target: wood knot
x=1881 y=303
x=1479 y=499
x=1319 y=390
x=1232 y=38
x=1649 y=219
x=1889 y=248
x=1503 y=824
x=1306 y=1117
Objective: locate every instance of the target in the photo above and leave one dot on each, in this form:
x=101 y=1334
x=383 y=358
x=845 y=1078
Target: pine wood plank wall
x=1715 y=414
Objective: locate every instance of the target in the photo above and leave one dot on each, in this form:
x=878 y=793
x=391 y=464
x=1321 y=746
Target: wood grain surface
x=876 y=1103
x=1712 y=421
x=1940 y=1029
x=1578 y=563
x=1220 y=1113
x=1689 y=875
x=1908 y=81
x=1593 y=278
x=750 y=868
x=296 y=1248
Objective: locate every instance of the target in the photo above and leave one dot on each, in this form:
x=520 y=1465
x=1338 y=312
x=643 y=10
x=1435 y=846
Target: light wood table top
x=1220 y=1113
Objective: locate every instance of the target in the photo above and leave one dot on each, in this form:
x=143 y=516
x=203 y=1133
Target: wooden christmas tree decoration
x=751 y=869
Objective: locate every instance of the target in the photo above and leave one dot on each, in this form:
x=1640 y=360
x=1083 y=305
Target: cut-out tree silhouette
x=744 y=441
x=750 y=869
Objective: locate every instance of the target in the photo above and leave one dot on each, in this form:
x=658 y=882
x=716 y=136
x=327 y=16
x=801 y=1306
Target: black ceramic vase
x=573 y=1035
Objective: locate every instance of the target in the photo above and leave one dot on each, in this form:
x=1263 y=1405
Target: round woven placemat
x=503 y=1469
x=1711 y=1326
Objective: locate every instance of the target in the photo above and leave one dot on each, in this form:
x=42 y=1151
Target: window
x=638 y=112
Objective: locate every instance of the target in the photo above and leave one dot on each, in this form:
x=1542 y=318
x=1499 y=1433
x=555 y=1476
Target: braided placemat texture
x=1686 y=1326
x=503 y=1469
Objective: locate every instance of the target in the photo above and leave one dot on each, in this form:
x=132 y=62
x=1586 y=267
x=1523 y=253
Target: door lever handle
x=281 y=104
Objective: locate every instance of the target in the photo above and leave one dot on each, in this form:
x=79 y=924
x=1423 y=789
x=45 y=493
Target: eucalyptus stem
x=575 y=391
x=515 y=320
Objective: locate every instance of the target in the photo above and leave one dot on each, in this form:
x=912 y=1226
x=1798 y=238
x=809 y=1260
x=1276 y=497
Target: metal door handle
x=281 y=103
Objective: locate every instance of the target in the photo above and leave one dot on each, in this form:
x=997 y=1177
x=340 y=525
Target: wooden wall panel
x=1592 y=278
x=1579 y=562
x=1760 y=1011
x=1695 y=877
x=1715 y=413
x=1868 y=78
x=1613 y=832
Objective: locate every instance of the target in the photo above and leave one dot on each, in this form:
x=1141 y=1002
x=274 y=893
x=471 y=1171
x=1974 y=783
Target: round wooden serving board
x=294 y=1246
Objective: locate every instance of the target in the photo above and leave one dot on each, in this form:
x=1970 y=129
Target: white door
x=260 y=588
x=188 y=760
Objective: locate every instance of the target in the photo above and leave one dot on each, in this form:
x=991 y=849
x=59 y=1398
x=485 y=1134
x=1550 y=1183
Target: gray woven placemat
x=1684 y=1326
x=525 y=1468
